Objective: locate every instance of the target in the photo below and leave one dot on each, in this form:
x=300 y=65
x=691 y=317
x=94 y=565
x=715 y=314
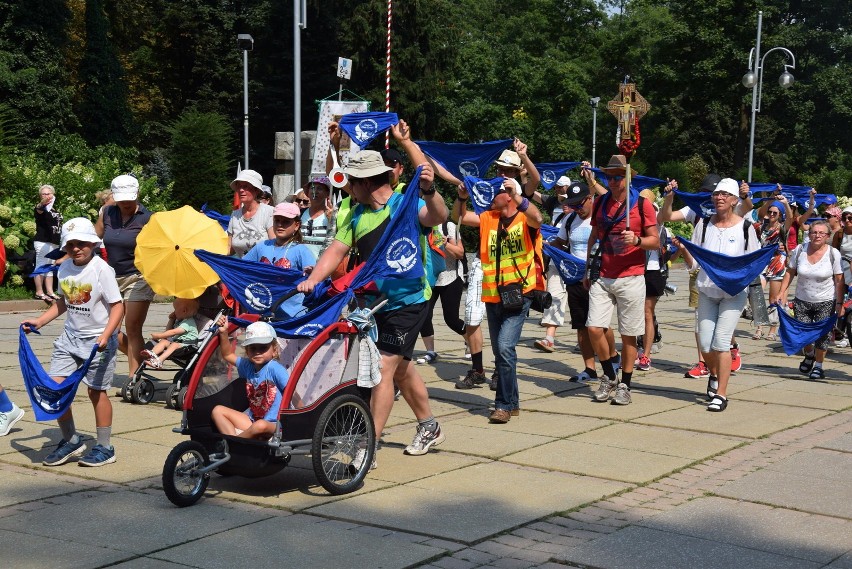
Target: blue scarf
x=551 y=171
x=570 y=268
x=462 y=159
x=731 y=274
x=482 y=192
x=795 y=335
x=363 y=128
x=50 y=400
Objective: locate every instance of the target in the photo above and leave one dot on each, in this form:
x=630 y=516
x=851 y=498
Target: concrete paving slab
x=128 y=521
x=645 y=548
x=486 y=512
x=300 y=541
x=611 y=463
x=23 y=553
x=147 y=563
x=163 y=436
x=396 y=467
x=538 y=423
x=817 y=463
x=741 y=418
x=843 y=443
x=19 y=485
x=489 y=441
x=787 y=490
x=659 y=440
x=779 y=393
x=579 y=402
x=842 y=562
x=134 y=460
x=757 y=526
x=440 y=409
x=651 y=381
x=293 y=489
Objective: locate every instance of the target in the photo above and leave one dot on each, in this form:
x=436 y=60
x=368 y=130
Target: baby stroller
x=143 y=385
x=324 y=414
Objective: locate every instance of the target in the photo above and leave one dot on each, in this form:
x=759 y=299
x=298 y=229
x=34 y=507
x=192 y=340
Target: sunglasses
x=579 y=205
x=305 y=201
x=846 y=217
x=774 y=213
x=616 y=178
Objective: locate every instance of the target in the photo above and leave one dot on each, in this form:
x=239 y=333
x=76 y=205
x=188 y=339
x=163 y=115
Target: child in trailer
x=92 y=299
x=265 y=377
x=180 y=331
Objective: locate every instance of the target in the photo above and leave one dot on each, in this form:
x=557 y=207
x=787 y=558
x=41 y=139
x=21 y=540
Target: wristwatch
x=429 y=192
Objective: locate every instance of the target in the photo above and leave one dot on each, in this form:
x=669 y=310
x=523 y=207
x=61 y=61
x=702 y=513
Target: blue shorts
x=69 y=353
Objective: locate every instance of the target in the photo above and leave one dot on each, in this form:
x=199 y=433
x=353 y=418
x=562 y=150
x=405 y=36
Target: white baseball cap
x=125 y=188
x=259 y=333
x=79 y=229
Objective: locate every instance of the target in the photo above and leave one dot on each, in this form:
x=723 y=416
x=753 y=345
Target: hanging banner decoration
x=463 y=159
x=482 y=192
x=551 y=171
x=731 y=274
x=363 y=128
x=801 y=195
x=795 y=335
x=628 y=107
x=332 y=111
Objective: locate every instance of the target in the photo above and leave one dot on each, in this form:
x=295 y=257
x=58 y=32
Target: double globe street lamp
x=753 y=80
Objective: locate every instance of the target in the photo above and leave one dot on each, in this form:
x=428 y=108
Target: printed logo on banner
x=48 y=399
x=258 y=296
x=401 y=255
x=310 y=330
x=468 y=168
x=366 y=129
x=569 y=270
x=708 y=208
x=483 y=194
x=548 y=177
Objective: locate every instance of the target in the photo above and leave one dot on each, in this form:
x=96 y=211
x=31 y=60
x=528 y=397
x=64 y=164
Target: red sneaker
x=736 y=360
x=644 y=363
x=698 y=370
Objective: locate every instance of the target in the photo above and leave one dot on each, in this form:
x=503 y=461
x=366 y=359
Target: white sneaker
x=467 y=355
x=8 y=420
x=360 y=456
x=844 y=343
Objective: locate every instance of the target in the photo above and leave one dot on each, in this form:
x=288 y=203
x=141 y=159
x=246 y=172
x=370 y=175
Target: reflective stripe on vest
x=517 y=245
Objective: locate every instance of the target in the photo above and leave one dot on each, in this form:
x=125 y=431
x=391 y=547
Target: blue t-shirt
x=290 y=256
x=264 y=388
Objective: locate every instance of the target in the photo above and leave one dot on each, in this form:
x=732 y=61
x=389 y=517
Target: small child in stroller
x=265 y=377
x=180 y=331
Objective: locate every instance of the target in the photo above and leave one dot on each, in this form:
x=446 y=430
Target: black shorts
x=398 y=329
x=655 y=284
x=578 y=305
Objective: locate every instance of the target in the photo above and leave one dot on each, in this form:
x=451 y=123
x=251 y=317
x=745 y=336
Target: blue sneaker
x=98 y=456
x=64 y=451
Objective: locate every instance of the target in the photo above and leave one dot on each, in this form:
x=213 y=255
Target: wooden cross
x=628 y=107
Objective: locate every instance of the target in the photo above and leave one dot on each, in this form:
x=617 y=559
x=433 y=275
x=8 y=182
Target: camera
x=670 y=288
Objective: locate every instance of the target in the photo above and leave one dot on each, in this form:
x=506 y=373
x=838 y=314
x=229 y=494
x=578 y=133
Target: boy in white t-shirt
x=91 y=297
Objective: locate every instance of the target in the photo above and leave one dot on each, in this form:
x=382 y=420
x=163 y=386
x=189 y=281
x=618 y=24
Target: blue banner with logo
x=699 y=202
x=795 y=335
x=731 y=274
x=310 y=324
x=551 y=171
x=363 y=128
x=571 y=268
x=50 y=400
x=548 y=232
x=482 y=192
x=463 y=159
x=256 y=286
x=800 y=195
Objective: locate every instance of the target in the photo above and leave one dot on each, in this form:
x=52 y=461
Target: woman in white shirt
x=819 y=290
x=719 y=312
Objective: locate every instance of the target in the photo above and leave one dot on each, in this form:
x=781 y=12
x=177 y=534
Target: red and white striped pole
x=388 y=69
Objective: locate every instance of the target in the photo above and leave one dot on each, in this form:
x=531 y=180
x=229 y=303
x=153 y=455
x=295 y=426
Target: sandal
x=427 y=358
x=817 y=373
x=771 y=337
x=807 y=364
x=712 y=386
x=758 y=334
x=44 y=297
x=719 y=404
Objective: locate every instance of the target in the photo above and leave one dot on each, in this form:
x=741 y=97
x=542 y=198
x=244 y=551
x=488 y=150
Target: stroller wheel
x=180 y=399
x=127 y=389
x=143 y=392
x=344 y=427
x=182 y=482
x=171 y=396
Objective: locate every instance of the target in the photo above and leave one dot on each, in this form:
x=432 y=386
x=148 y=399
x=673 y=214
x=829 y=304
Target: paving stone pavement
x=659 y=483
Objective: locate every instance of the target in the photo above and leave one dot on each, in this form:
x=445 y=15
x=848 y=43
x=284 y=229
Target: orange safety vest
x=517 y=246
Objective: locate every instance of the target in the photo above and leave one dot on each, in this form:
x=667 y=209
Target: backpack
x=707 y=222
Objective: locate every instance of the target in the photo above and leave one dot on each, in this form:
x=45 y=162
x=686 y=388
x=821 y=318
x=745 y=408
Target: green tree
x=199 y=159
x=103 y=108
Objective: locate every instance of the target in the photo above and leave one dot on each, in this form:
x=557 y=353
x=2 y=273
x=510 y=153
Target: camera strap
x=501 y=229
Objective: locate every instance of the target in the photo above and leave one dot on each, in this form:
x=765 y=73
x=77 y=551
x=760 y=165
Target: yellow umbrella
x=165 y=251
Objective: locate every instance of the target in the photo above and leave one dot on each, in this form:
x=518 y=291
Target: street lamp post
x=753 y=80
x=594 y=103
x=300 y=22
x=246 y=43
